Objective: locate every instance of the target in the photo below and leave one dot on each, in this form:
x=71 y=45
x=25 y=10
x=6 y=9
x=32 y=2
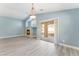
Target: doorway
x=48 y=30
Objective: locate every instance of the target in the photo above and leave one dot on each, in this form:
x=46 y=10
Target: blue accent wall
x=68 y=25
x=11 y=27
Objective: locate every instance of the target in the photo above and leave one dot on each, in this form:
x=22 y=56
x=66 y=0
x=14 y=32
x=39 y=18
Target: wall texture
x=68 y=25
x=11 y=27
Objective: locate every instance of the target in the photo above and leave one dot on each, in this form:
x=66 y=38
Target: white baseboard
x=69 y=46
x=11 y=36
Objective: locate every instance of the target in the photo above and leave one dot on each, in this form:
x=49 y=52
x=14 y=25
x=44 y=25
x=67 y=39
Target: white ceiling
x=22 y=10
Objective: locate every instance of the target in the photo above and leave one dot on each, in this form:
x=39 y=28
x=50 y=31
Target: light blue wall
x=68 y=25
x=11 y=27
x=28 y=22
x=34 y=31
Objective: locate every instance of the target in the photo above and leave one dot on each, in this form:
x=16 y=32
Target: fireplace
x=28 y=31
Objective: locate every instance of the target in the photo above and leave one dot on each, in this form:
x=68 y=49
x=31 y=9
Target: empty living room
x=39 y=29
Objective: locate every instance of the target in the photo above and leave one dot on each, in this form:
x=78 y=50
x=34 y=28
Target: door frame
x=56 y=22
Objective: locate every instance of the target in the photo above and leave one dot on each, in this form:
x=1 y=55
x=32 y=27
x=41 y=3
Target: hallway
x=22 y=46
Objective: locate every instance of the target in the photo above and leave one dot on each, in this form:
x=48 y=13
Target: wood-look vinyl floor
x=22 y=46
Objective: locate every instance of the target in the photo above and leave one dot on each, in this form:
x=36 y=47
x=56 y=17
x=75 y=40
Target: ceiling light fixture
x=32 y=15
